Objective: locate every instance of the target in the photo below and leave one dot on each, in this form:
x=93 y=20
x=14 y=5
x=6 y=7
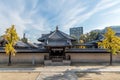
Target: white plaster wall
x=23 y=58
x=92 y=57
x=75 y=57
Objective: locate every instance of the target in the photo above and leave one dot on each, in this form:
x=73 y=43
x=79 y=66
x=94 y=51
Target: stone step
x=57 y=63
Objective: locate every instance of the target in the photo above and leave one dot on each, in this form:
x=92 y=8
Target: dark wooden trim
x=88 y=52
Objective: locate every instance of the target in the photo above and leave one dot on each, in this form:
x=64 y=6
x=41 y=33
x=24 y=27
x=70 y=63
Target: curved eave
x=41 y=40
x=57 y=46
x=73 y=39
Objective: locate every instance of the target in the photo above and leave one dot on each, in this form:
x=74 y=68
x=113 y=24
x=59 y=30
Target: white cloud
x=37 y=17
x=12 y=14
x=76 y=20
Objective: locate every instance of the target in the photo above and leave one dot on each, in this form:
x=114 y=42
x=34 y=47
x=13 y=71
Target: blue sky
x=36 y=17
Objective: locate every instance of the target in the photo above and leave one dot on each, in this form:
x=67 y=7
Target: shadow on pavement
x=67 y=75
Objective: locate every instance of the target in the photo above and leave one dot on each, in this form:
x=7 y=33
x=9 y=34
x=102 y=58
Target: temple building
x=57 y=48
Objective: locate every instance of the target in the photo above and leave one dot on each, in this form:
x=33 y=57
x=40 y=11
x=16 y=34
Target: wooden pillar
x=49 y=52
x=64 y=51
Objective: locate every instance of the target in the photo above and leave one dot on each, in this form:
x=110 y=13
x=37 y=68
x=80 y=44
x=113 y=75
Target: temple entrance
x=57 y=57
x=57 y=54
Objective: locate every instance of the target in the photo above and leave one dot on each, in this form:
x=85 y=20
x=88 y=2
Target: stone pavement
x=57 y=76
x=62 y=72
x=65 y=68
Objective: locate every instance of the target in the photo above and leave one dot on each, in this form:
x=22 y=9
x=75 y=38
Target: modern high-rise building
x=76 y=32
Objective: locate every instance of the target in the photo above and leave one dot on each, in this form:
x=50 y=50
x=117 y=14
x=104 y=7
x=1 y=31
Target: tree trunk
x=110 y=58
x=9 y=63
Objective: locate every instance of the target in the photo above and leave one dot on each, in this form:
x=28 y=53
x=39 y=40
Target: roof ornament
x=56 y=27
x=24 y=35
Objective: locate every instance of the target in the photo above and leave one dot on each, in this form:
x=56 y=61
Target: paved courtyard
x=94 y=72
x=59 y=76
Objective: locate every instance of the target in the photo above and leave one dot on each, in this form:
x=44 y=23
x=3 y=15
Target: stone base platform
x=56 y=63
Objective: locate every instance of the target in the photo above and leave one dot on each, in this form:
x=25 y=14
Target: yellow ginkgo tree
x=110 y=42
x=81 y=42
x=11 y=37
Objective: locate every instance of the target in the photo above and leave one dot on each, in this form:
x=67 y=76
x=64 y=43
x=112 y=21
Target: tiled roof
x=44 y=37
x=56 y=35
x=21 y=44
x=26 y=50
x=56 y=38
x=87 y=50
x=59 y=35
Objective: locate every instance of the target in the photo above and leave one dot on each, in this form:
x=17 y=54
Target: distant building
x=115 y=28
x=76 y=32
